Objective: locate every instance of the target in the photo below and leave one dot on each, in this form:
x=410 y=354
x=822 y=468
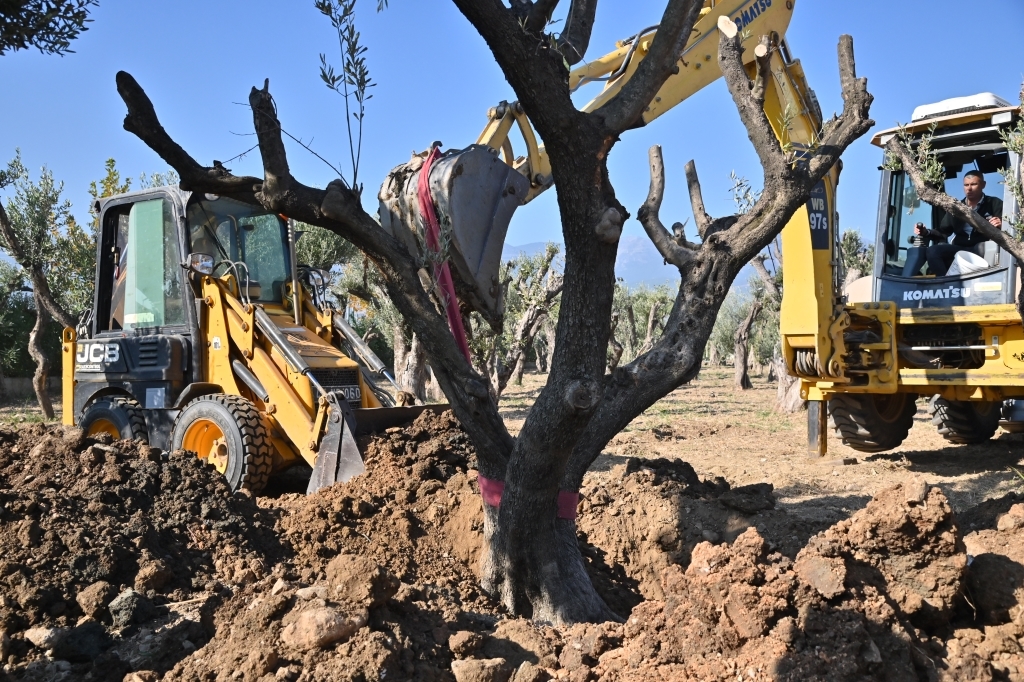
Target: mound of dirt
x=842 y=610
x=120 y=562
x=95 y=534
x=648 y=514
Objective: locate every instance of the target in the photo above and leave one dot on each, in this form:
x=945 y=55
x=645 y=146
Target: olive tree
x=532 y=562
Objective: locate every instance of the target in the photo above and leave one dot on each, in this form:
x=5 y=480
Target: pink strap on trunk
x=443 y=273
x=491 y=491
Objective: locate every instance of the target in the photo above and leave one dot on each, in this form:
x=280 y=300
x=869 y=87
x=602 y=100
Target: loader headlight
x=201 y=263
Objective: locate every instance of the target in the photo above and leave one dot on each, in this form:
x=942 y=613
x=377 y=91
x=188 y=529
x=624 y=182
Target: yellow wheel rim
x=104 y=426
x=206 y=439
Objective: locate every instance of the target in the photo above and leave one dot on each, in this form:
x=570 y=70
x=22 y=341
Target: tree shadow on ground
x=822 y=510
x=956 y=460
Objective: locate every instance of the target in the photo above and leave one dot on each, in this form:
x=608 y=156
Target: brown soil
x=720 y=574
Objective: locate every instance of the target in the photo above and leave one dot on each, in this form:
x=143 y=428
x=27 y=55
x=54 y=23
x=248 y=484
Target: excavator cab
x=202 y=337
x=981 y=273
x=945 y=310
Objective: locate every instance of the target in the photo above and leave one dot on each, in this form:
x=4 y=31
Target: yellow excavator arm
x=813 y=342
x=697 y=68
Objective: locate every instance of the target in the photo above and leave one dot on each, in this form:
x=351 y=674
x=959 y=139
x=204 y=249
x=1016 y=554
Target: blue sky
x=436 y=79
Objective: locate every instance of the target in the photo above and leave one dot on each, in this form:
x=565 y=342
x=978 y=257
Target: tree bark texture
x=787 y=396
x=532 y=561
x=410 y=364
x=35 y=350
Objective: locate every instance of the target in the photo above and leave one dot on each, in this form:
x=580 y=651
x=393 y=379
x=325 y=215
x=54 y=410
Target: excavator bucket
x=338 y=459
x=475 y=194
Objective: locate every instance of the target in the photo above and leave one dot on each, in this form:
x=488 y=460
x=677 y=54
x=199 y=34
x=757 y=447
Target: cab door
x=140 y=342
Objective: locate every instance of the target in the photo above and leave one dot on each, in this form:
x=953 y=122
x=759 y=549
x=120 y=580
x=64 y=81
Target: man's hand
x=996 y=221
x=919 y=228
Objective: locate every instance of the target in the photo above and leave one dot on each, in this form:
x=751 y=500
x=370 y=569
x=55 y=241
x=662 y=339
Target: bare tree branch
x=540 y=15
x=751 y=110
x=762 y=57
x=673 y=252
x=840 y=132
x=579 y=24
x=700 y=216
x=787 y=183
x=766 y=277
x=623 y=110
x=142 y=122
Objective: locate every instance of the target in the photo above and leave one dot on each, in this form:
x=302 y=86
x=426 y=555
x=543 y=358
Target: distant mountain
x=638 y=263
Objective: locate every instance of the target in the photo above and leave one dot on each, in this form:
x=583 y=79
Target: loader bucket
x=339 y=459
x=475 y=193
x=379 y=419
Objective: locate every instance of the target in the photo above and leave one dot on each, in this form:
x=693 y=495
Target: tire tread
x=257 y=448
x=856 y=421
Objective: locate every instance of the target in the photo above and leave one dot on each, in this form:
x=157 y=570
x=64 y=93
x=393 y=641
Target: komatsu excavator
x=206 y=335
x=917 y=326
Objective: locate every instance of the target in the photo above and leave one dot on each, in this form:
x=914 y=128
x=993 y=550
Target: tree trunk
x=787 y=397
x=714 y=360
x=550 y=333
x=540 y=348
x=517 y=371
x=410 y=364
x=652 y=328
x=35 y=349
x=614 y=347
x=742 y=347
x=434 y=392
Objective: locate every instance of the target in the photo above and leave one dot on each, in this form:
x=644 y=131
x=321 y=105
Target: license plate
x=352 y=393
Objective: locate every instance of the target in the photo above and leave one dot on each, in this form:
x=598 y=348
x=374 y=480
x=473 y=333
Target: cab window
x=142 y=268
x=906 y=210
x=242 y=238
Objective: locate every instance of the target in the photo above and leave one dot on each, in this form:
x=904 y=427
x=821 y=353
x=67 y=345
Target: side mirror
x=201 y=263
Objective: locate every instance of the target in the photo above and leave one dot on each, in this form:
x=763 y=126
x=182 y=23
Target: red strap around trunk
x=443 y=273
x=491 y=491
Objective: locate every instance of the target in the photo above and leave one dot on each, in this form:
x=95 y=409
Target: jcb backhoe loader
x=202 y=337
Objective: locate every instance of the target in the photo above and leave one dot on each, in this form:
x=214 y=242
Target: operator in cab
x=965 y=237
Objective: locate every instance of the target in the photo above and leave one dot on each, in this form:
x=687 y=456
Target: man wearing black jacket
x=965 y=237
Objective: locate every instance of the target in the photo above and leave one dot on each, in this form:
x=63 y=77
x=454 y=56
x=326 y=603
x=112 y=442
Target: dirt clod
x=482 y=670
x=321 y=626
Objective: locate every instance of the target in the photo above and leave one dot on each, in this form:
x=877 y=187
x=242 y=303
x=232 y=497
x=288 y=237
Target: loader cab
x=965 y=133
x=139 y=350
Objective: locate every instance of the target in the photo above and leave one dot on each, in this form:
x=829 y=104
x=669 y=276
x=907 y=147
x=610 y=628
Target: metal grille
x=345 y=381
x=149 y=352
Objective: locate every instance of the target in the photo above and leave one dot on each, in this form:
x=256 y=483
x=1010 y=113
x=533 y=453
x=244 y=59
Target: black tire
x=872 y=423
x=965 y=422
x=117 y=415
x=246 y=444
